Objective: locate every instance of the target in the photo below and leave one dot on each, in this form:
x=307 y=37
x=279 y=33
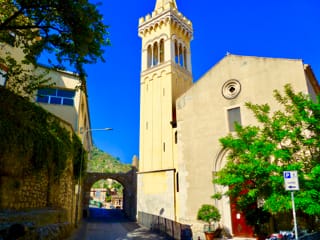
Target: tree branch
x=24 y=27
x=11 y=18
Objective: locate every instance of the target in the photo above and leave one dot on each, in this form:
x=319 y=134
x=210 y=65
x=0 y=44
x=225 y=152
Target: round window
x=231 y=89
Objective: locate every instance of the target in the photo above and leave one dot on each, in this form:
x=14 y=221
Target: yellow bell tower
x=165 y=75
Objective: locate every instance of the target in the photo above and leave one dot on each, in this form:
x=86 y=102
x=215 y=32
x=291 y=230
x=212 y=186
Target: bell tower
x=165 y=75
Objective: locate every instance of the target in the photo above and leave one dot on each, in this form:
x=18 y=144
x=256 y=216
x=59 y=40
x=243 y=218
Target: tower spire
x=164 y=4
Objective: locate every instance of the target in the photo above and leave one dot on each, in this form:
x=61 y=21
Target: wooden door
x=239 y=226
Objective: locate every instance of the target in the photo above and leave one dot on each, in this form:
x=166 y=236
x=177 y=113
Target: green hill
x=104 y=162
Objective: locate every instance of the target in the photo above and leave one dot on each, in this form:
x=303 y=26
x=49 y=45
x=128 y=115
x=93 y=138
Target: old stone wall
x=28 y=191
x=38 y=200
x=45 y=207
x=32 y=224
x=62 y=192
x=38 y=190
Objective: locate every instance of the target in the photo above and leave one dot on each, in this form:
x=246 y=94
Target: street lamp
x=84 y=134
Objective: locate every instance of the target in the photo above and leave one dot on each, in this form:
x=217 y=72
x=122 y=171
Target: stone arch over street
x=129 y=183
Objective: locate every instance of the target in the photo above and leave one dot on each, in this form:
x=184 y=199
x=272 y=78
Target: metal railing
x=164 y=226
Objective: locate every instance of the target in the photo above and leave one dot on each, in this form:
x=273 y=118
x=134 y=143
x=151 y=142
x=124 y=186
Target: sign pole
x=294 y=217
x=291 y=183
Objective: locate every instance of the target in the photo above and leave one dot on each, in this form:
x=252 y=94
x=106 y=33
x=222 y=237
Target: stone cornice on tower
x=155 y=71
x=164 y=15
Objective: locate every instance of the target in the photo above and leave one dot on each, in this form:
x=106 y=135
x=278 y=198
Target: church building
x=181 y=122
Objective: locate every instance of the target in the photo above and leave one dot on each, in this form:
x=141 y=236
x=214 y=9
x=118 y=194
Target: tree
x=72 y=32
x=208 y=213
x=284 y=140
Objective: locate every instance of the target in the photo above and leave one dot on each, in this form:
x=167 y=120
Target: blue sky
x=270 y=28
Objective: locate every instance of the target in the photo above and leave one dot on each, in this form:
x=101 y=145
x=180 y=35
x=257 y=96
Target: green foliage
x=104 y=162
x=33 y=136
x=21 y=78
x=284 y=140
x=208 y=213
x=117 y=186
x=114 y=187
x=78 y=153
x=72 y=32
x=108 y=198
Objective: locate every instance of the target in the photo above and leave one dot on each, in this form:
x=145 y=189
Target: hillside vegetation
x=104 y=162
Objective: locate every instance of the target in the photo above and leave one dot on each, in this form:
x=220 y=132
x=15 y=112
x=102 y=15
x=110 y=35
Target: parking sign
x=291 y=181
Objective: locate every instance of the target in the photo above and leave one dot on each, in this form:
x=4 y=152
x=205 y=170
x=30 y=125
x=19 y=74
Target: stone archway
x=129 y=183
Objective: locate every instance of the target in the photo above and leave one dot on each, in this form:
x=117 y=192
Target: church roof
x=164 y=4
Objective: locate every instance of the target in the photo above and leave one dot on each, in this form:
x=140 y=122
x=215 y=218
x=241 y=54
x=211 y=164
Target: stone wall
x=62 y=193
x=29 y=191
x=42 y=203
x=46 y=223
x=38 y=190
x=43 y=206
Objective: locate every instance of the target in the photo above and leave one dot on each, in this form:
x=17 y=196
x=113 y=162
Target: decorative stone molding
x=231 y=89
x=172 y=16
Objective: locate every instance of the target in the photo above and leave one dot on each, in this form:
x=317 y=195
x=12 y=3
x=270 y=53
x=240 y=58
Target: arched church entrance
x=129 y=182
x=234 y=219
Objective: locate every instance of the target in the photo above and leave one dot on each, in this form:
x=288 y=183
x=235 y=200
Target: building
x=222 y=93
x=181 y=122
x=165 y=75
x=66 y=100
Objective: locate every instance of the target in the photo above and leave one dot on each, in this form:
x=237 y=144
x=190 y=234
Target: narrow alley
x=111 y=224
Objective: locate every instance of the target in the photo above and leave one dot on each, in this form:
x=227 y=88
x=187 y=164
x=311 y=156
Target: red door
x=239 y=226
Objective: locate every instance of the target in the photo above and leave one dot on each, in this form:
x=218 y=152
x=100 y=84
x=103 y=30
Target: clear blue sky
x=270 y=28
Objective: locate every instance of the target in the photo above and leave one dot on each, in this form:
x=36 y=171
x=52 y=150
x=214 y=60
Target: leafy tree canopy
x=284 y=140
x=72 y=32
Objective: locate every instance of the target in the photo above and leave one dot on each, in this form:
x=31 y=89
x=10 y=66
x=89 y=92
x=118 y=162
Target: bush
x=208 y=213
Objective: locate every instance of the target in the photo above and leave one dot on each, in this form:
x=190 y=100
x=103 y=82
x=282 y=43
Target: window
x=231 y=89
x=149 y=52
x=155 y=54
x=176 y=52
x=185 y=58
x=181 y=56
x=177 y=176
x=233 y=117
x=56 y=96
x=2 y=77
x=176 y=137
x=161 y=51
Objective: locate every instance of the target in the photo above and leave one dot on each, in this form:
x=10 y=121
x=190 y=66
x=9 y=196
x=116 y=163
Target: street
x=104 y=224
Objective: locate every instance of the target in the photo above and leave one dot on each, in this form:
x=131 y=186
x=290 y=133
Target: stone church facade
x=181 y=122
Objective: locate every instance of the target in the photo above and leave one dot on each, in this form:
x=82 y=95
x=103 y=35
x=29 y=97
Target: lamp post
x=84 y=134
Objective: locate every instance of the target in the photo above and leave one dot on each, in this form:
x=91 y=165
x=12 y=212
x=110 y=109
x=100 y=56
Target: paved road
x=111 y=225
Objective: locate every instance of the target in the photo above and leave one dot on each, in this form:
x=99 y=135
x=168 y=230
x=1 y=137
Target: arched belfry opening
x=155 y=53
